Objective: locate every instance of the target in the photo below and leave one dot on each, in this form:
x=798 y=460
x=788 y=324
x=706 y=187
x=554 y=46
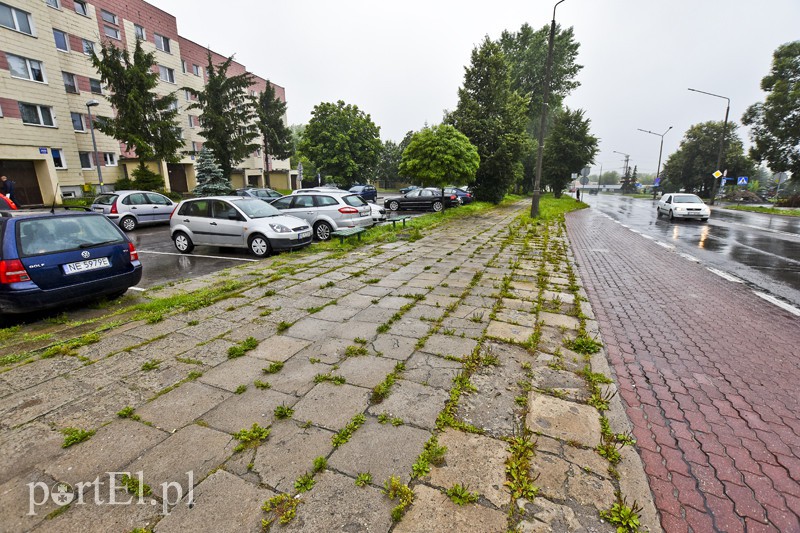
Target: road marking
x=198 y=255
x=136 y=289
x=783 y=305
x=647 y=236
x=689 y=257
x=725 y=275
x=665 y=245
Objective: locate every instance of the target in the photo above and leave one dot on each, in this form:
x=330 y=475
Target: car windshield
x=354 y=200
x=105 y=199
x=261 y=193
x=256 y=208
x=58 y=234
x=687 y=199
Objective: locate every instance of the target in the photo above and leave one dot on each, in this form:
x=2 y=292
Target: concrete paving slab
x=311 y=329
x=181 y=406
x=99 y=407
x=185 y=458
x=432 y=370
x=394 y=346
x=433 y=511
x=105 y=517
x=222 y=503
x=366 y=371
x=297 y=375
x=474 y=461
x=522 y=318
x=278 y=348
x=416 y=404
x=210 y=354
x=241 y=411
x=509 y=332
x=332 y=406
x=36 y=372
x=559 y=321
x=234 y=372
x=410 y=327
x=29 y=404
x=563 y=419
x=329 y=351
x=400 y=447
x=23 y=447
x=444 y=345
x=289 y=453
x=353 y=329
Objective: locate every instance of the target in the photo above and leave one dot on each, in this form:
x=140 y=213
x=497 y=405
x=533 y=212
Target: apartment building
x=47 y=80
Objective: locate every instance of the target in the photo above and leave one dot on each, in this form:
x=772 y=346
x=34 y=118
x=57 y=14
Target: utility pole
x=721 y=142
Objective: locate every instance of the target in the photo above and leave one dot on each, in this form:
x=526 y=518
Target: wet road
x=760 y=250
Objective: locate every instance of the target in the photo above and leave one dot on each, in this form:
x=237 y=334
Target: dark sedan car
x=464 y=196
x=421 y=200
x=406 y=190
x=367 y=192
x=262 y=194
x=50 y=260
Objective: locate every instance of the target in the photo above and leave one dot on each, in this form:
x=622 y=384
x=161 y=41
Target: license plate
x=85 y=266
x=304 y=235
x=98 y=209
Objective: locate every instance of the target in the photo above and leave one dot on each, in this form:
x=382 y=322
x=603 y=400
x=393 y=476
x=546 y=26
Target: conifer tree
x=211 y=181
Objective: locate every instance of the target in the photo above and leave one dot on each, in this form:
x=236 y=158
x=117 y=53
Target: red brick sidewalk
x=710 y=376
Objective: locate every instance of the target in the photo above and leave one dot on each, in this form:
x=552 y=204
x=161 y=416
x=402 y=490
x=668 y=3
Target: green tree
x=387 y=170
x=343 y=142
x=493 y=116
x=145 y=121
x=569 y=147
x=440 y=156
x=211 y=181
x=276 y=135
x=691 y=166
x=629 y=180
x=228 y=121
x=609 y=178
x=775 y=123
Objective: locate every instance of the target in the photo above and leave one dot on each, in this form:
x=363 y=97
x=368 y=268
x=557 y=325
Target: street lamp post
x=721 y=141
x=545 y=97
x=660 y=149
x=89 y=105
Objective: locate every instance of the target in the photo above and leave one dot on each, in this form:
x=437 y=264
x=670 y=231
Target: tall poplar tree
x=145 y=121
x=493 y=116
x=228 y=115
x=276 y=135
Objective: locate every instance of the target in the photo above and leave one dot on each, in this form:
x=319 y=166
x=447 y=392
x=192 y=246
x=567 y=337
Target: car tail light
x=13 y=271
x=348 y=210
x=114 y=208
x=134 y=253
x=453 y=197
x=173 y=212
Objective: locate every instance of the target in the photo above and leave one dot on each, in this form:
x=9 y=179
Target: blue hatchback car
x=54 y=259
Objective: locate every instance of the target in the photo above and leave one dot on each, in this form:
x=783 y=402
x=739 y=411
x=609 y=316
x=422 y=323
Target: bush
x=147 y=180
x=792 y=201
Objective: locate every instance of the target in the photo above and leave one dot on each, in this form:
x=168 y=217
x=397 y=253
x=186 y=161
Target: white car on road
x=682 y=205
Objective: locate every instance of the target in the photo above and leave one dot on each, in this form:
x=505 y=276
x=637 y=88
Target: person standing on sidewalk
x=578 y=195
x=7 y=188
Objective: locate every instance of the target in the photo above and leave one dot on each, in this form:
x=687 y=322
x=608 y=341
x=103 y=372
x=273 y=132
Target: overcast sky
x=403 y=62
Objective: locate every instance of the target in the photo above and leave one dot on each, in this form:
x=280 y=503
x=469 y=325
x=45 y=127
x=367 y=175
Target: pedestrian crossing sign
x=741 y=180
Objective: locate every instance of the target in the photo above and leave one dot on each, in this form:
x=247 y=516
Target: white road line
x=647 y=236
x=136 y=289
x=725 y=275
x=665 y=245
x=783 y=305
x=689 y=257
x=198 y=255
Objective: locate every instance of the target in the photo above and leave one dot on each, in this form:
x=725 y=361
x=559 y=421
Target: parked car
x=367 y=192
x=408 y=189
x=326 y=211
x=378 y=213
x=236 y=222
x=51 y=260
x=265 y=194
x=682 y=205
x=422 y=199
x=6 y=204
x=464 y=196
x=129 y=209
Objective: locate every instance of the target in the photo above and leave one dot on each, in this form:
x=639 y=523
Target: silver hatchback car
x=128 y=209
x=327 y=211
x=235 y=222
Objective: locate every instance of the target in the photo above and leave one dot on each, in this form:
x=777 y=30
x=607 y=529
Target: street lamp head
x=92 y=103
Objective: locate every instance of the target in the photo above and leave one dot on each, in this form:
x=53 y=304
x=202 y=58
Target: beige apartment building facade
x=47 y=79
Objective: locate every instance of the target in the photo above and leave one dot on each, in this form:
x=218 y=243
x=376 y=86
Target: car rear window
x=105 y=199
x=58 y=234
x=354 y=200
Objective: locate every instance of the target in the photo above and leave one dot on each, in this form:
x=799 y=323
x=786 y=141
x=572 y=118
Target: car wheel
x=182 y=242
x=323 y=231
x=704 y=219
x=394 y=205
x=658 y=213
x=128 y=223
x=259 y=246
x=671 y=216
x=437 y=206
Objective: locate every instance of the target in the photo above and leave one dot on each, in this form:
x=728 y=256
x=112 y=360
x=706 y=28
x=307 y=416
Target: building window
x=26 y=69
x=62 y=42
x=53 y=3
x=58 y=158
x=86 y=159
x=77 y=122
x=37 y=115
x=80 y=8
x=173 y=105
x=110 y=159
x=187 y=94
x=88 y=47
x=111 y=18
x=196 y=70
x=95 y=87
x=183 y=65
x=166 y=74
x=162 y=43
x=111 y=32
x=194 y=147
x=192 y=121
x=13 y=18
x=70 y=84
x=139 y=32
